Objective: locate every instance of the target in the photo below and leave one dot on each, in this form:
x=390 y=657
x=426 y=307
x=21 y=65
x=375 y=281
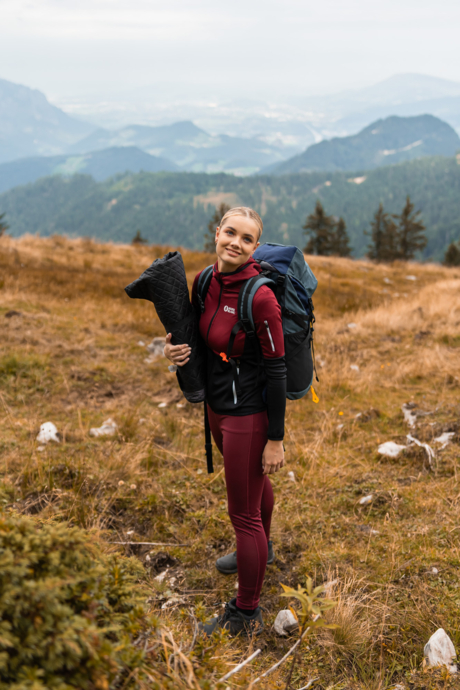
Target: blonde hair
x=247 y=213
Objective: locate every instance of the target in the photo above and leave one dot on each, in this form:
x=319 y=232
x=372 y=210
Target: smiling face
x=236 y=241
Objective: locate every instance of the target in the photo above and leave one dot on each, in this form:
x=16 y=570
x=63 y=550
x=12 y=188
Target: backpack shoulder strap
x=203 y=285
x=244 y=309
x=246 y=298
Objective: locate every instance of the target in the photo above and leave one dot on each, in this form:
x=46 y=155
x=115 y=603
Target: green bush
x=69 y=614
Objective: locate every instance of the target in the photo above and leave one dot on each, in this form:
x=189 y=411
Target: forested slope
x=174 y=208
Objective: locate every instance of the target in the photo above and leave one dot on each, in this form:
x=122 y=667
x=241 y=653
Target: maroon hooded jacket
x=253 y=379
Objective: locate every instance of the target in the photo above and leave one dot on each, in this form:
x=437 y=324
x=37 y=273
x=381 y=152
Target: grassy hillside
x=176 y=207
x=71 y=353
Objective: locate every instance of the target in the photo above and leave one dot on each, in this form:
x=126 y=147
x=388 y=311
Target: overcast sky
x=260 y=48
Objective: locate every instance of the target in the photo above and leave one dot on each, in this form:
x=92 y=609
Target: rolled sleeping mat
x=164 y=283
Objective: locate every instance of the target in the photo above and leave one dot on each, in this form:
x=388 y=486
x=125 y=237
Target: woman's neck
x=224 y=267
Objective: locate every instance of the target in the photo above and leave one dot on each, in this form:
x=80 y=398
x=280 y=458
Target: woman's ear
x=217 y=234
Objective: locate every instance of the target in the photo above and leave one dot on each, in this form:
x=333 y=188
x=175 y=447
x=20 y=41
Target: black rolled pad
x=165 y=284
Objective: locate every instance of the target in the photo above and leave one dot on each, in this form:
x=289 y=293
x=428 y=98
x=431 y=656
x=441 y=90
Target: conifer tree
x=384 y=244
x=320 y=227
x=3 y=226
x=411 y=231
x=138 y=239
x=209 y=244
x=452 y=255
x=339 y=244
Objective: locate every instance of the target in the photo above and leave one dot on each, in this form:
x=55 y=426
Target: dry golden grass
x=72 y=357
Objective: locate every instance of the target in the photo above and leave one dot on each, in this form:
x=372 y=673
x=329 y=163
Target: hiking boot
x=236 y=622
x=227 y=564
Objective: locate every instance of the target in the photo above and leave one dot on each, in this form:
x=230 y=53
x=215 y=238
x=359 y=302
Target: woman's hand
x=177 y=354
x=273 y=457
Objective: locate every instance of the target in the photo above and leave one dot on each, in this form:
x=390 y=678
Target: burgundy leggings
x=241 y=440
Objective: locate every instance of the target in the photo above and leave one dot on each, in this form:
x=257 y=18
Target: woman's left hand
x=273 y=457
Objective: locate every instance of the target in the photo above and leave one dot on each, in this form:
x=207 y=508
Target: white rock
x=390 y=449
x=387 y=280
x=156 y=347
x=108 y=428
x=130 y=532
x=285 y=622
x=365 y=500
x=445 y=438
x=291 y=476
x=163 y=404
x=180 y=406
x=173 y=601
x=354 y=367
x=439 y=651
x=40 y=449
x=351 y=325
x=339 y=426
x=159 y=578
x=48 y=432
x=200 y=471
x=141 y=343
x=411 y=277
x=434 y=571
x=409 y=415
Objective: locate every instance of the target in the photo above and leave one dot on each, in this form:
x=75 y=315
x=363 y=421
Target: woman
x=246 y=399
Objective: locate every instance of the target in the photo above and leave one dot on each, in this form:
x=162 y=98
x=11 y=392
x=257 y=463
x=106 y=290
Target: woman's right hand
x=177 y=354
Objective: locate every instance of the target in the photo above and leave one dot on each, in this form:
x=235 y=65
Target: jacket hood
x=236 y=278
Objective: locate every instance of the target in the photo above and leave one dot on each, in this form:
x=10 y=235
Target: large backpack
x=285 y=270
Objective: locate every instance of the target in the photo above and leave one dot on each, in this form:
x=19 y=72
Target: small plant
x=314 y=606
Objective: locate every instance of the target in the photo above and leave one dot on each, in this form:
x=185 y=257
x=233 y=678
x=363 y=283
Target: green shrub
x=69 y=614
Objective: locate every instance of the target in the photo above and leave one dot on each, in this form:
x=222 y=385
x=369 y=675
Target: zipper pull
x=269 y=335
x=314 y=397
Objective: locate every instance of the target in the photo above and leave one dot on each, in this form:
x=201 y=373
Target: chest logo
x=229 y=310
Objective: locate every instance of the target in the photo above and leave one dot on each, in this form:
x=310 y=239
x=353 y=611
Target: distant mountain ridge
x=99 y=164
x=385 y=142
x=31 y=126
x=189 y=147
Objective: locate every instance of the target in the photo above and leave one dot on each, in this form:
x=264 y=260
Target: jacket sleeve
x=267 y=319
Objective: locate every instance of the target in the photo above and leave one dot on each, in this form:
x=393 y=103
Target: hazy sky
x=106 y=48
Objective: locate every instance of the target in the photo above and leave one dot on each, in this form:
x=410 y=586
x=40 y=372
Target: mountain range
x=385 y=142
x=99 y=164
x=189 y=147
x=31 y=126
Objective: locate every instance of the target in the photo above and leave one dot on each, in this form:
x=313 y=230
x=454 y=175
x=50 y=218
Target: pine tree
x=321 y=228
x=452 y=255
x=138 y=239
x=3 y=226
x=339 y=245
x=411 y=231
x=209 y=244
x=384 y=244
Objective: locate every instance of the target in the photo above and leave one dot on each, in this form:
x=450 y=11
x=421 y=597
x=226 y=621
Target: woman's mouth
x=232 y=252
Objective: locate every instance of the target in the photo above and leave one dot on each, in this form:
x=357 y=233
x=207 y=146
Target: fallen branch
x=195 y=631
x=288 y=653
x=240 y=666
x=428 y=449
x=310 y=682
x=145 y=543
